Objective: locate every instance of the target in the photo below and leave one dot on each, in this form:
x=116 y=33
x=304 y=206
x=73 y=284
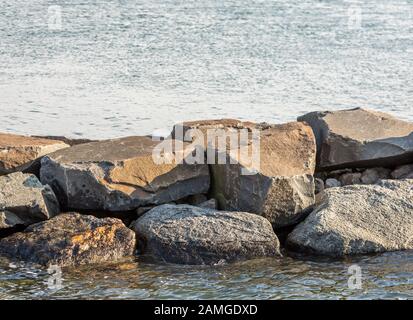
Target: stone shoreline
x=332 y=183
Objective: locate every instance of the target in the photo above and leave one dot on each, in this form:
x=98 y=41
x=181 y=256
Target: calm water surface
x=128 y=67
x=124 y=67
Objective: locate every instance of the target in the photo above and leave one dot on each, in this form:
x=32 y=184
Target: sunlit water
x=128 y=67
x=386 y=276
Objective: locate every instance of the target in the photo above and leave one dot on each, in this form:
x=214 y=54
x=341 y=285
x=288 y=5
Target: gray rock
x=319 y=185
x=24 y=200
x=277 y=183
x=142 y=210
x=373 y=175
x=118 y=175
x=360 y=138
x=403 y=172
x=209 y=204
x=186 y=234
x=194 y=200
x=350 y=178
x=332 y=183
x=359 y=219
x=70 y=239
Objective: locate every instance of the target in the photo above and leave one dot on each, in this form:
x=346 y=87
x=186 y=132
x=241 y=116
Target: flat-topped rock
x=70 y=239
x=275 y=181
x=119 y=174
x=24 y=200
x=359 y=219
x=17 y=153
x=68 y=141
x=360 y=138
x=187 y=234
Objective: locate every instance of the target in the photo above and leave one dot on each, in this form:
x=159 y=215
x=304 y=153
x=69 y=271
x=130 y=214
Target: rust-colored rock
x=70 y=239
x=17 y=153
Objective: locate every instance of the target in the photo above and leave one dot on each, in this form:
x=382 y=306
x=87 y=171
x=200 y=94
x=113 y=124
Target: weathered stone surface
x=119 y=174
x=332 y=183
x=359 y=219
x=403 y=172
x=360 y=138
x=209 y=204
x=70 y=239
x=282 y=188
x=180 y=130
x=186 y=234
x=17 y=153
x=319 y=185
x=350 y=178
x=373 y=175
x=24 y=200
x=68 y=141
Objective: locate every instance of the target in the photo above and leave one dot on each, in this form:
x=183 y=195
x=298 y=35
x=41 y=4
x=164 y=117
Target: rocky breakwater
x=333 y=183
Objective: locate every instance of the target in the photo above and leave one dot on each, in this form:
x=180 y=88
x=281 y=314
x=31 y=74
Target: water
x=128 y=67
x=386 y=276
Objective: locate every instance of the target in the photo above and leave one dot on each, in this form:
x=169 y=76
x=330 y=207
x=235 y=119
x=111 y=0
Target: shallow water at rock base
x=384 y=276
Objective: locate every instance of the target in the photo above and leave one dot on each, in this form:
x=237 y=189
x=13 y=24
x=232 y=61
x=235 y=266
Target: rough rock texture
x=373 y=175
x=119 y=174
x=332 y=183
x=319 y=185
x=350 y=178
x=209 y=204
x=360 y=138
x=403 y=172
x=70 y=239
x=24 y=200
x=180 y=130
x=359 y=219
x=186 y=234
x=68 y=141
x=17 y=153
x=282 y=189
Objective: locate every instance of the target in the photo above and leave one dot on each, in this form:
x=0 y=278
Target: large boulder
x=119 y=174
x=187 y=234
x=70 y=239
x=360 y=138
x=24 y=200
x=275 y=180
x=359 y=219
x=17 y=153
